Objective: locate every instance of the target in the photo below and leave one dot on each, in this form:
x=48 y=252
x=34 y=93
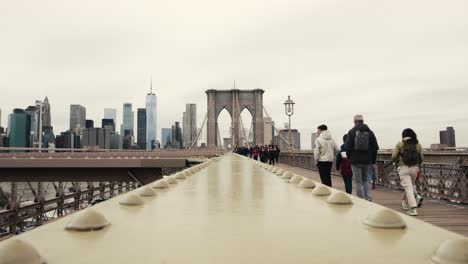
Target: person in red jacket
x=343 y=164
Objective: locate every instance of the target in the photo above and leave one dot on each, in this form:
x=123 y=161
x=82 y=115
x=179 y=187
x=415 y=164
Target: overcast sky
x=401 y=63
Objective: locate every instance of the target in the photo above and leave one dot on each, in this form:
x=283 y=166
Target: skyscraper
x=190 y=125
x=177 y=140
x=48 y=130
x=151 y=124
x=111 y=113
x=77 y=118
x=166 y=137
x=128 y=115
x=46 y=117
x=31 y=111
x=141 y=128
x=89 y=123
x=268 y=130
x=109 y=124
x=447 y=137
x=19 y=129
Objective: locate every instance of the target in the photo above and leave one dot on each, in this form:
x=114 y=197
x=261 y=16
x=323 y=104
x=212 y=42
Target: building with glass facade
x=166 y=137
x=77 y=118
x=151 y=124
x=128 y=116
x=19 y=129
x=141 y=128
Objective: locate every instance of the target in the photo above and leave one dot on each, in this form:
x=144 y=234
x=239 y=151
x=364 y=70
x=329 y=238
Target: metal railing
x=447 y=179
x=18 y=217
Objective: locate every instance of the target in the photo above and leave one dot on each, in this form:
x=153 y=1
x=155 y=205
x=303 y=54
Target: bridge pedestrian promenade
x=232 y=210
x=450 y=216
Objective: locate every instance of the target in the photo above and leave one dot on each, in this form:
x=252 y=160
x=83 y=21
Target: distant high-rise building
x=177 y=140
x=96 y=138
x=19 y=129
x=89 y=123
x=77 y=118
x=268 y=130
x=116 y=141
x=313 y=138
x=295 y=138
x=111 y=113
x=108 y=123
x=447 y=137
x=46 y=116
x=141 y=128
x=190 y=125
x=166 y=137
x=47 y=129
x=32 y=111
x=128 y=116
x=151 y=121
x=69 y=140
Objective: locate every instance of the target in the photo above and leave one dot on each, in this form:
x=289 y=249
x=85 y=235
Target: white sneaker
x=419 y=200
x=404 y=204
x=412 y=212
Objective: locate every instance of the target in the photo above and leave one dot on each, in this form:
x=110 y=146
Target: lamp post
x=289 y=110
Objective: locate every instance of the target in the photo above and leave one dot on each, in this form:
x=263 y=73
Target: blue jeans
x=361 y=179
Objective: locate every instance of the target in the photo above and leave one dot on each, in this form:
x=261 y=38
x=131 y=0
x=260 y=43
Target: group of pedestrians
x=357 y=156
x=265 y=153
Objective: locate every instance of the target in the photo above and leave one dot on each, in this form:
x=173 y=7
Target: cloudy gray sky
x=402 y=63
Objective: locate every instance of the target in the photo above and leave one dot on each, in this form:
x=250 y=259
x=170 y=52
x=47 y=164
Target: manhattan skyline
x=401 y=64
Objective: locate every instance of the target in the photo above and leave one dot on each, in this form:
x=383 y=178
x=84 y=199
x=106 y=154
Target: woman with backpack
x=409 y=157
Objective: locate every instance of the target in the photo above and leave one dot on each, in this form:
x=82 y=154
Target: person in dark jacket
x=361 y=148
x=343 y=164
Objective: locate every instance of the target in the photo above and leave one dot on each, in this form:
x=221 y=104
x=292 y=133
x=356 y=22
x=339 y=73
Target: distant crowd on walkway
x=357 y=156
x=266 y=153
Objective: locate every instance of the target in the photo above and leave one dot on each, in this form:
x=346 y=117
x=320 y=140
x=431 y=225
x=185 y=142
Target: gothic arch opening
x=224 y=122
x=246 y=127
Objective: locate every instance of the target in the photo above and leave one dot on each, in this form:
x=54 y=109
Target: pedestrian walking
x=324 y=154
x=343 y=164
x=271 y=153
x=361 y=149
x=409 y=157
x=277 y=153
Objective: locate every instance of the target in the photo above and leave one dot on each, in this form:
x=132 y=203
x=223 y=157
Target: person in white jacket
x=324 y=153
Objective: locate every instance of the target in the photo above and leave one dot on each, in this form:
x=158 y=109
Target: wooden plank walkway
x=450 y=216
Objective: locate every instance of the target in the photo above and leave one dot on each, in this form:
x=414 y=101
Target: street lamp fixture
x=289 y=110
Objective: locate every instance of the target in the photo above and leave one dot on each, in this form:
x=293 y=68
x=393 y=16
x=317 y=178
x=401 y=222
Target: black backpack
x=361 y=141
x=409 y=154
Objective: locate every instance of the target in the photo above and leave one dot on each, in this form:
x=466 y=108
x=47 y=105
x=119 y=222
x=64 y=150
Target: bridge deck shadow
x=450 y=216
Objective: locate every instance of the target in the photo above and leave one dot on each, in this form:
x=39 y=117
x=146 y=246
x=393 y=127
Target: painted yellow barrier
x=231 y=210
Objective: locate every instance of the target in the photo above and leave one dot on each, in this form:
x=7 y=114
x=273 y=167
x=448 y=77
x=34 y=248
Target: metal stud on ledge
x=15 y=251
x=453 y=251
x=280 y=172
x=180 y=175
x=170 y=180
x=146 y=191
x=296 y=179
x=340 y=198
x=131 y=200
x=385 y=218
x=306 y=183
x=87 y=220
x=161 y=184
x=321 y=190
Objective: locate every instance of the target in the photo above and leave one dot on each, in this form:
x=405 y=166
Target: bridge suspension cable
x=276 y=129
